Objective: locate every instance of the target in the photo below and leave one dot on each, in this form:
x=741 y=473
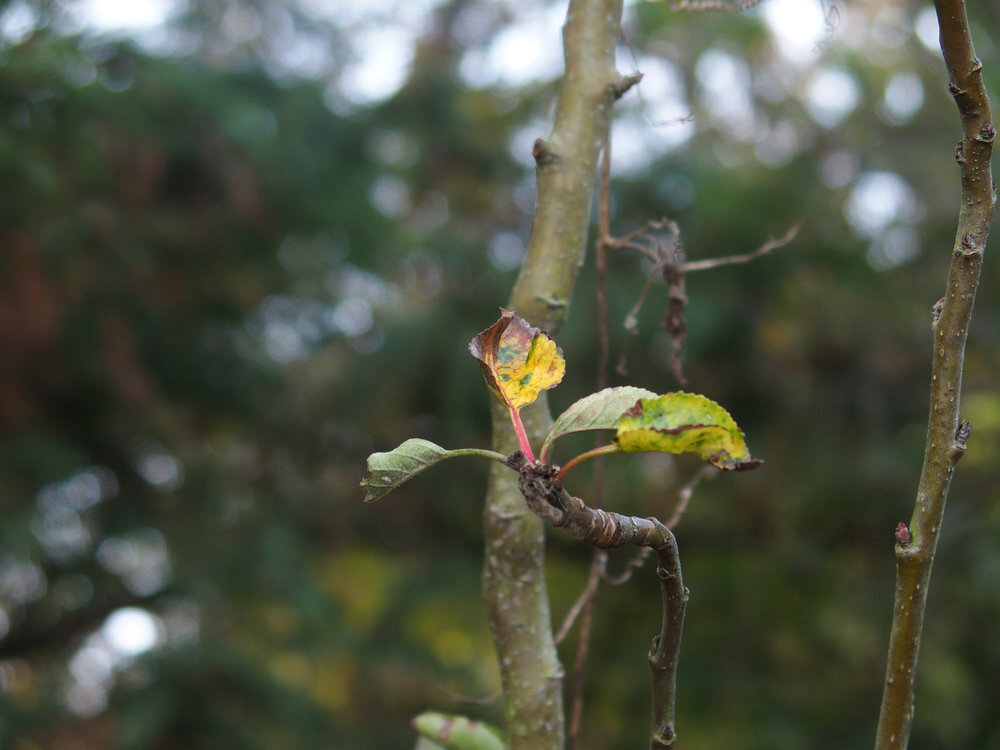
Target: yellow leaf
x=518 y=360
x=685 y=423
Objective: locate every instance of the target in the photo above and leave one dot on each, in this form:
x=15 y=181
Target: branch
x=684 y=496
x=668 y=260
x=514 y=589
x=767 y=247
x=946 y=435
x=606 y=530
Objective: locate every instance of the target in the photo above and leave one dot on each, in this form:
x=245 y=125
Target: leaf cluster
x=519 y=361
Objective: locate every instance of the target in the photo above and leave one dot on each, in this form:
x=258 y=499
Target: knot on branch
x=903 y=536
x=962 y=436
x=537 y=482
x=623 y=84
x=595 y=526
x=968 y=245
x=541 y=152
x=936 y=311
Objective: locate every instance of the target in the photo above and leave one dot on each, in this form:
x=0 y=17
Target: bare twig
x=666 y=646
x=669 y=262
x=637 y=561
x=597 y=566
x=687 y=491
x=946 y=433
x=767 y=247
x=606 y=530
x=589 y=589
x=585 y=603
x=601 y=261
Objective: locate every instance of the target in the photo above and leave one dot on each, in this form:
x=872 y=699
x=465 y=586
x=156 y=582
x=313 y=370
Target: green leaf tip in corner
x=386 y=471
x=457 y=732
x=685 y=423
x=598 y=411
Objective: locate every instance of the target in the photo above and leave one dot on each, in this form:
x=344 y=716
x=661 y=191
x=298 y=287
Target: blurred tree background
x=244 y=244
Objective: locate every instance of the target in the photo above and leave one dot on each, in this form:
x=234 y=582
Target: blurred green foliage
x=223 y=285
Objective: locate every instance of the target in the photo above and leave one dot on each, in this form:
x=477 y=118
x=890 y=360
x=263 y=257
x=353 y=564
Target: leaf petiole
x=604 y=450
x=522 y=435
x=499 y=457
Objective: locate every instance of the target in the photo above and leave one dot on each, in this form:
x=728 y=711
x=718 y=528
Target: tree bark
x=513 y=577
x=946 y=434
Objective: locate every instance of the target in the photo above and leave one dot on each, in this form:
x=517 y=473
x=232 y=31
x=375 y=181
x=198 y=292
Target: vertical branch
x=599 y=563
x=946 y=435
x=513 y=574
x=667 y=645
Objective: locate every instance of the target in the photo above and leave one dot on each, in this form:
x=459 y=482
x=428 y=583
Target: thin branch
x=604 y=240
x=637 y=561
x=586 y=595
x=661 y=257
x=585 y=604
x=597 y=566
x=687 y=491
x=946 y=433
x=664 y=652
x=767 y=247
x=668 y=261
x=606 y=530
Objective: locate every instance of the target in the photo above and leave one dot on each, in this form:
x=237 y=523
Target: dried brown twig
x=667 y=257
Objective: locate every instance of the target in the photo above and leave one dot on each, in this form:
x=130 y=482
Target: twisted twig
x=605 y=530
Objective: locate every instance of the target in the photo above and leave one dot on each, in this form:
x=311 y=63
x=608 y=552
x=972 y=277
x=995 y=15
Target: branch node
x=936 y=311
x=977 y=65
x=903 y=536
x=960 y=153
x=623 y=84
x=541 y=153
x=954 y=89
x=962 y=435
x=967 y=246
x=986 y=133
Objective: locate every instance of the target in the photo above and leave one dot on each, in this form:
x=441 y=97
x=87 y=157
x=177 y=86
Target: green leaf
x=685 y=423
x=386 y=471
x=598 y=411
x=518 y=360
x=458 y=732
